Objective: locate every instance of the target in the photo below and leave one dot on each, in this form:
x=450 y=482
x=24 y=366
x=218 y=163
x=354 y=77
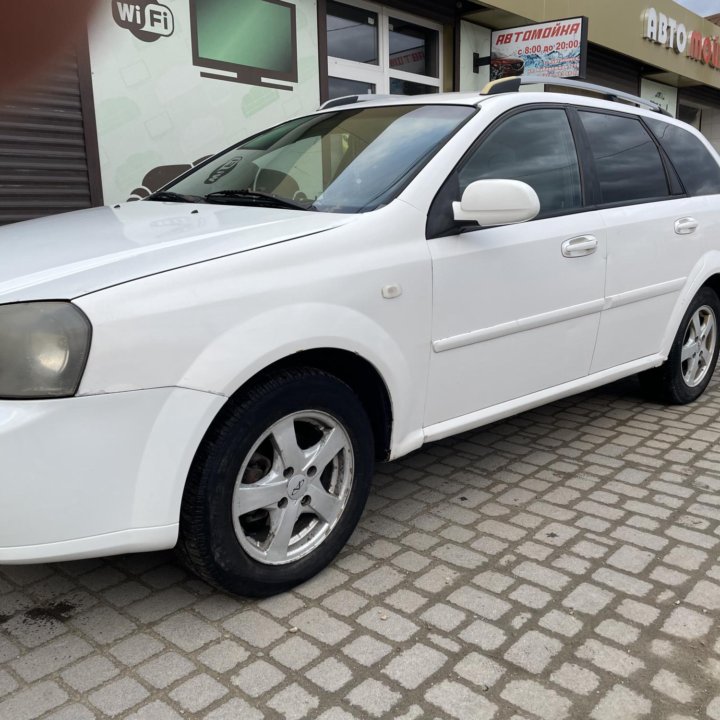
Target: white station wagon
x=219 y=366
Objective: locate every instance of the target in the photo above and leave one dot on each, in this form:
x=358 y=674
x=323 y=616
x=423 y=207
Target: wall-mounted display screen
x=253 y=41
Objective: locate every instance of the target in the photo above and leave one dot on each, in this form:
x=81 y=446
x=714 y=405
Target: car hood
x=65 y=256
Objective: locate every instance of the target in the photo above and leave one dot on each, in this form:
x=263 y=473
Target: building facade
x=158 y=86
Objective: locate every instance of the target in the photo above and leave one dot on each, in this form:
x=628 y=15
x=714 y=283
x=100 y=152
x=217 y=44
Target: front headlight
x=43 y=349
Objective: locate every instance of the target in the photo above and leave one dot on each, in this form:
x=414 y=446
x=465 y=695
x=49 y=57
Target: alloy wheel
x=292 y=487
x=698 y=346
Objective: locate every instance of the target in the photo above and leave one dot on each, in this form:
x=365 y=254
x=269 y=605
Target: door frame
x=381 y=74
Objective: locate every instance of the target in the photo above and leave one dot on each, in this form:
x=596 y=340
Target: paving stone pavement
x=560 y=564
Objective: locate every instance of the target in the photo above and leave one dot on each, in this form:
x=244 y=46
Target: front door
x=516 y=308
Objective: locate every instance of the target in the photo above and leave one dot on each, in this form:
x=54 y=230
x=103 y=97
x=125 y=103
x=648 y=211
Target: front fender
x=212 y=326
x=248 y=347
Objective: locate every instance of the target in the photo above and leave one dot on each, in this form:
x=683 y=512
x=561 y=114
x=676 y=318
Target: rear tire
x=686 y=373
x=278 y=485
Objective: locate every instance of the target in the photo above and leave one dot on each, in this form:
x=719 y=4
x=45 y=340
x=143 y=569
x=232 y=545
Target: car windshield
x=345 y=161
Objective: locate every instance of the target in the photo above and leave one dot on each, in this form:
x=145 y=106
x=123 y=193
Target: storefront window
x=339 y=87
x=413 y=48
x=370 y=50
x=352 y=33
x=408 y=87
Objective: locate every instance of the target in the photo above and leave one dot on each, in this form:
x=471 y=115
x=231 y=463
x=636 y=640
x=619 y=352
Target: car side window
x=536 y=147
x=627 y=162
x=698 y=169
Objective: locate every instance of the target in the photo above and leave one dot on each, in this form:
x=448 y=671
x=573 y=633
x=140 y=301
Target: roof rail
x=512 y=84
x=351 y=99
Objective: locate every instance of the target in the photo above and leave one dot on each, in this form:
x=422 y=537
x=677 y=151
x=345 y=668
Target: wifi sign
x=147 y=21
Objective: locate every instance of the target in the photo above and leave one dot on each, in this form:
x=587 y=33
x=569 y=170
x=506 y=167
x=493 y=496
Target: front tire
x=693 y=355
x=278 y=485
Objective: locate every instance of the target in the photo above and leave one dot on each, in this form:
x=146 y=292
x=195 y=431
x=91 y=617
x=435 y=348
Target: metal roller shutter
x=611 y=69
x=700 y=94
x=44 y=167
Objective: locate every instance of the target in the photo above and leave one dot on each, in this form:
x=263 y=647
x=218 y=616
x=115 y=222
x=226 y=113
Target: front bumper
x=97 y=475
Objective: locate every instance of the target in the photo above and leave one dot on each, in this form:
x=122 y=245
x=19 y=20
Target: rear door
x=652 y=235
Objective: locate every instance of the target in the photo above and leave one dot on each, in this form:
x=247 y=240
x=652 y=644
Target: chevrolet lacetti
x=219 y=366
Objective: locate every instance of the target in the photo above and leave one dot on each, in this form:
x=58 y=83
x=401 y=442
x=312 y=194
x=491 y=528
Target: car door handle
x=685 y=226
x=579 y=246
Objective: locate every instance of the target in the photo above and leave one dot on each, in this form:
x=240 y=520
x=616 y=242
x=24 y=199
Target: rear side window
x=537 y=147
x=698 y=169
x=627 y=161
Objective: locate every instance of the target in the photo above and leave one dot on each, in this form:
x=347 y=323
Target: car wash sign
x=550 y=49
x=665 y=30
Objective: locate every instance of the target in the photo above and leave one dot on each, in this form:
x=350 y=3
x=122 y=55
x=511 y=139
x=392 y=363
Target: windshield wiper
x=255 y=196
x=170 y=196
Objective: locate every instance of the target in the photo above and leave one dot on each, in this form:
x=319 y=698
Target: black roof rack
x=513 y=84
x=351 y=99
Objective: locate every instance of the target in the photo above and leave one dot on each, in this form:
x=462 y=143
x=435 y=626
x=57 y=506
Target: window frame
x=381 y=74
x=588 y=176
x=684 y=192
x=675 y=188
x=457 y=228
x=487 y=133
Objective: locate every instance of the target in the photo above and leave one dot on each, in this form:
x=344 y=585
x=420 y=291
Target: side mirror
x=497 y=202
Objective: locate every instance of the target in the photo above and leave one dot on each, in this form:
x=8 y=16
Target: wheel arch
x=713 y=282
x=706 y=273
x=356 y=372
x=349 y=367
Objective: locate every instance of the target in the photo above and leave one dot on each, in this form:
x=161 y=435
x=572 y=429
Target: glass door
x=371 y=50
